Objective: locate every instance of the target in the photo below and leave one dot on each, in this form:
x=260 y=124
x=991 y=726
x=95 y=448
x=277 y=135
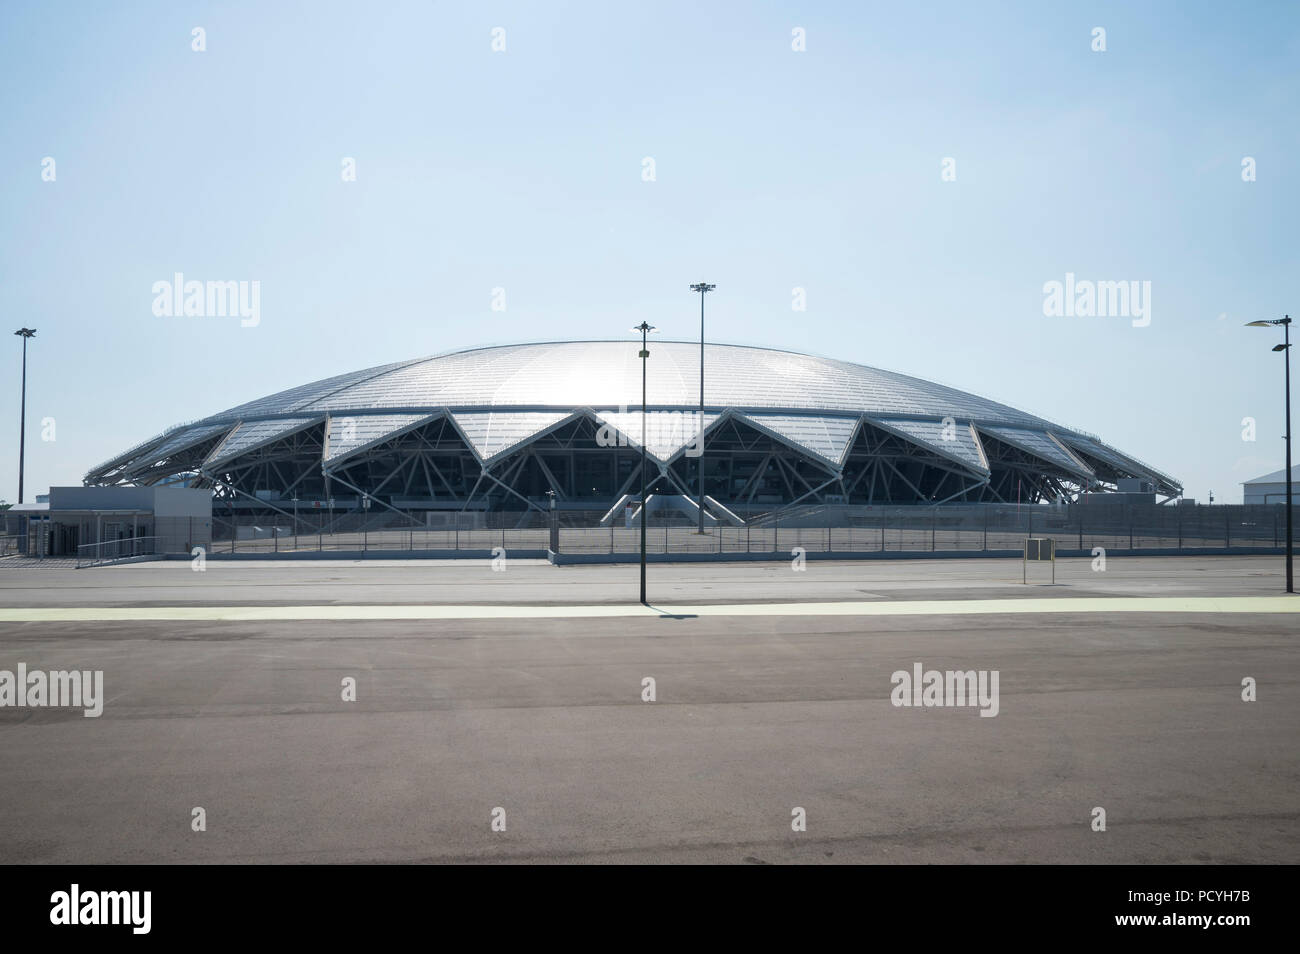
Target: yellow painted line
x=1212 y=604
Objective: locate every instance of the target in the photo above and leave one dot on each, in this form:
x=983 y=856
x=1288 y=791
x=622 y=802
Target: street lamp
x=645 y=328
x=23 y=333
x=1285 y=348
x=703 y=288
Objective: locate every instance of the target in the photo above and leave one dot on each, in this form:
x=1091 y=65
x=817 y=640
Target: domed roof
x=607 y=374
x=501 y=396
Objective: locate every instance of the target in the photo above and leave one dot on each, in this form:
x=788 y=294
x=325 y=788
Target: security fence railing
x=89 y=554
x=826 y=529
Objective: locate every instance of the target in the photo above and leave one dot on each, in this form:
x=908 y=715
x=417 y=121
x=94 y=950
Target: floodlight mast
x=645 y=328
x=23 y=333
x=703 y=288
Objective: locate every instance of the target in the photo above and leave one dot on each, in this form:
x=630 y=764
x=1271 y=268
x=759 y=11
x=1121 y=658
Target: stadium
x=504 y=428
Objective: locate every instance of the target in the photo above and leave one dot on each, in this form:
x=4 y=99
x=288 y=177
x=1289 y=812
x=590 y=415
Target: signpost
x=1038 y=550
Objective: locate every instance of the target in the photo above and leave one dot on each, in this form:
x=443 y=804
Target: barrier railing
x=90 y=554
x=828 y=529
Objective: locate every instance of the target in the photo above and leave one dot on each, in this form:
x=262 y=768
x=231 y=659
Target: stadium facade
x=497 y=428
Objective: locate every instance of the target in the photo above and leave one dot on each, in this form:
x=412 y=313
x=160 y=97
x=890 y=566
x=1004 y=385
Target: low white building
x=1271 y=488
x=132 y=520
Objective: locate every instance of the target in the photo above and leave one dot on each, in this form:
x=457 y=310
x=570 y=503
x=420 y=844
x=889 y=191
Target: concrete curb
x=766 y=556
x=367 y=555
x=562 y=559
x=118 y=561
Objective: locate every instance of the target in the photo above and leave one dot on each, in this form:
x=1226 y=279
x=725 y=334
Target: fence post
x=1130 y=530
x=1180 y=528
x=934 y=525
x=986 y=529
x=1227 y=533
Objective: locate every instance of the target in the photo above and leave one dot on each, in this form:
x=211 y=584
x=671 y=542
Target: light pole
x=1285 y=348
x=645 y=328
x=23 y=333
x=703 y=288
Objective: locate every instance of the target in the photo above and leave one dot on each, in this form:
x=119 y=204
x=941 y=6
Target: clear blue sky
x=775 y=169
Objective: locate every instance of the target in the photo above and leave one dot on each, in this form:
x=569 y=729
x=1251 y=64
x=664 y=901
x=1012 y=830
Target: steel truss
x=1019 y=475
x=432 y=467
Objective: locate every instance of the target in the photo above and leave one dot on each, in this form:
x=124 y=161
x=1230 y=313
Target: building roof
x=1277 y=477
x=500 y=397
x=607 y=374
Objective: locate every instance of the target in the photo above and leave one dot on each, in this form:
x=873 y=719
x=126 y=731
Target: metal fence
x=90 y=554
x=827 y=529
